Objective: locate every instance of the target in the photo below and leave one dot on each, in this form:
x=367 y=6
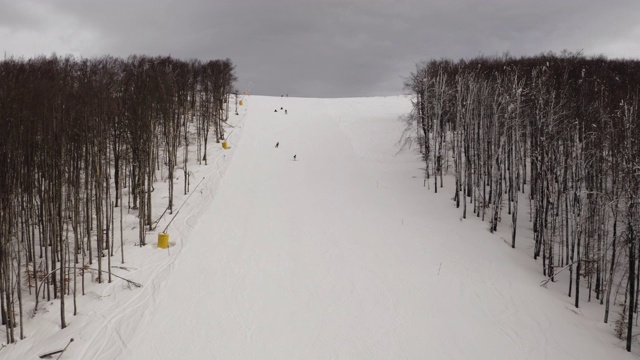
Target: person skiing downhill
x=277 y=144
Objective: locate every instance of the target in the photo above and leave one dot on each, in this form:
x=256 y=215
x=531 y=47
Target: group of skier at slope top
x=294 y=156
x=285 y=110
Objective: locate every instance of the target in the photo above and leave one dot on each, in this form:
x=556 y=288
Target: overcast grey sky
x=323 y=48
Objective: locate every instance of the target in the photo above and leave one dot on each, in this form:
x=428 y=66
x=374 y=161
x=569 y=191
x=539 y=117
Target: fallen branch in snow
x=123 y=267
x=60 y=352
x=65 y=348
x=112 y=274
x=546 y=281
x=35 y=308
x=49 y=354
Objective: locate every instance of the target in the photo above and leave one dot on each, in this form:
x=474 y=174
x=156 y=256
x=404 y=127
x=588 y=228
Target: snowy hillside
x=340 y=253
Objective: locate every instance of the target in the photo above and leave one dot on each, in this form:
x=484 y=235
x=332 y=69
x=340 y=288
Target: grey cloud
x=329 y=48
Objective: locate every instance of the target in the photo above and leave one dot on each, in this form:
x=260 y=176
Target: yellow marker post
x=225 y=145
x=240 y=103
x=163 y=241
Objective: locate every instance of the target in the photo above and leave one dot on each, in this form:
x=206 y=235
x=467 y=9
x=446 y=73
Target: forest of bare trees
x=81 y=140
x=562 y=130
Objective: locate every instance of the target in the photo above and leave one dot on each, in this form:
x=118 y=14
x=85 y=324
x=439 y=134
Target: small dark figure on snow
x=277 y=144
x=285 y=111
x=280 y=107
x=275 y=110
x=294 y=157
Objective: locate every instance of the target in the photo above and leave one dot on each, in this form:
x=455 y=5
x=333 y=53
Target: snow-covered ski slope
x=344 y=254
x=340 y=254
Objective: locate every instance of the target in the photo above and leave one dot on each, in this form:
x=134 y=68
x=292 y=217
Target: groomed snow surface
x=340 y=254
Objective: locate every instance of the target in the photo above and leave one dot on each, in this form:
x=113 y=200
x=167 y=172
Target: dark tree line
x=565 y=130
x=83 y=138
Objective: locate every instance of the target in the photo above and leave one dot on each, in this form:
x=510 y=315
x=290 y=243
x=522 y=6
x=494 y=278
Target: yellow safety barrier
x=225 y=145
x=240 y=103
x=163 y=240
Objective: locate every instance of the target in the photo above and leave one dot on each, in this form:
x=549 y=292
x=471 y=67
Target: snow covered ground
x=340 y=254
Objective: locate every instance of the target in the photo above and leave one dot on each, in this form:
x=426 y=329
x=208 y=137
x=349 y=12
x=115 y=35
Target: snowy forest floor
x=342 y=253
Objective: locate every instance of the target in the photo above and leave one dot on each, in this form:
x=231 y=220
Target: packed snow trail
x=344 y=254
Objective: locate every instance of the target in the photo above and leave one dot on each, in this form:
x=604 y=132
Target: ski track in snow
x=340 y=254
